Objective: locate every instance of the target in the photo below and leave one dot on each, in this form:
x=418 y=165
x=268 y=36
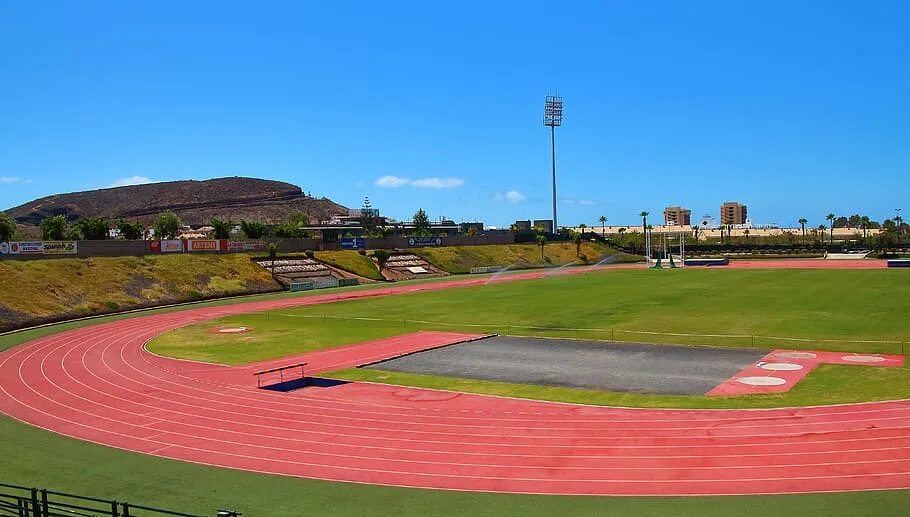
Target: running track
x=99 y=384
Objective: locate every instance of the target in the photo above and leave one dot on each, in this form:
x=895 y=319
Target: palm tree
x=578 y=239
x=864 y=224
x=272 y=248
x=802 y=223
x=582 y=227
x=541 y=241
x=603 y=226
x=830 y=217
x=746 y=233
x=644 y=222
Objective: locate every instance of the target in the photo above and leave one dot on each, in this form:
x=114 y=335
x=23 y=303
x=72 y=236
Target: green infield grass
x=859 y=311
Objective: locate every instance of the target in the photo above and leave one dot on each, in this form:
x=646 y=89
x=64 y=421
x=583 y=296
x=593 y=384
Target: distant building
x=732 y=212
x=475 y=227
x=545 y=224
x=522 y=226
x=677 y=216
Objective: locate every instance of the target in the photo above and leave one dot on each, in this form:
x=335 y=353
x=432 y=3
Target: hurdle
x=280 y=371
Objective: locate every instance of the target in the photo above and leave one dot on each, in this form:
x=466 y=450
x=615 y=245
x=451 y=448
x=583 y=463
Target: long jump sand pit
x=626 y=367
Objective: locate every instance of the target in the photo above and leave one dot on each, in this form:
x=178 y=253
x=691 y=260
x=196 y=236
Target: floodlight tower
x=552 y=117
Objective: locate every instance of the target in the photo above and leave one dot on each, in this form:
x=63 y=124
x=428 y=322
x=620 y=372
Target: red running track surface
x=99 y=384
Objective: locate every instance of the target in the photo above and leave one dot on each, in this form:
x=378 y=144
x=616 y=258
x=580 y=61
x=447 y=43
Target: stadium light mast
x=552 y=117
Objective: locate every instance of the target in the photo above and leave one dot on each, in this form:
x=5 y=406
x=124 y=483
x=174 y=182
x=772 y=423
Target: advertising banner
x=59 y=247
x=26 y=248
x=247 y=245
x=353 y=243
x=425 y=241
x=4 y=248
x=172 y=246
x=203 y=245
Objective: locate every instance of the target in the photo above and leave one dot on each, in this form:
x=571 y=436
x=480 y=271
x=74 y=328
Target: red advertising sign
x=203 y=245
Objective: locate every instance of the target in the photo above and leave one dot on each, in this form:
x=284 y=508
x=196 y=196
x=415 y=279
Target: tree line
x=168 y=225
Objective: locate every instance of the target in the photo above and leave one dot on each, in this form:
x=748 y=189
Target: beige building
x=732 y=212
x=677 y=216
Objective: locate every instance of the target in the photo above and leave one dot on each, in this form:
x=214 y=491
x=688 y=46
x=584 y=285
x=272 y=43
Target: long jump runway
x=99 y=384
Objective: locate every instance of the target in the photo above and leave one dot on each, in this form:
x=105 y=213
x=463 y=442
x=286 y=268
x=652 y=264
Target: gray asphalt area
x=626 y=367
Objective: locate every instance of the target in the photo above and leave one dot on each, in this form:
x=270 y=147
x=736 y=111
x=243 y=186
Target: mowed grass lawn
x=35 y=457
x=685 y=307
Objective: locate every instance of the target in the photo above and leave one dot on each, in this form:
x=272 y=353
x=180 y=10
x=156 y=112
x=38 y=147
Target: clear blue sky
x=794 y=108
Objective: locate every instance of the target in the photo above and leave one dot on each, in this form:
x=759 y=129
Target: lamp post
x=552 y=117
x=898 y=220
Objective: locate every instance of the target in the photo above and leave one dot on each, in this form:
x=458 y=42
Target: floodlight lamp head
x=552 y=111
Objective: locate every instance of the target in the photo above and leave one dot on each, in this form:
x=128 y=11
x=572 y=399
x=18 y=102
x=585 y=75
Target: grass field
x=793 y=304
x=39 y=458
x=745 y=308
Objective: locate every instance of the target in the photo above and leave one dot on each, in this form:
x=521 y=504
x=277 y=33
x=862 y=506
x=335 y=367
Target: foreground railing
x=20 y=501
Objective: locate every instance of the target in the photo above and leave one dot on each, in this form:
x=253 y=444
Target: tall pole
x=552 y=116
x=898 y=220
x=553 y=156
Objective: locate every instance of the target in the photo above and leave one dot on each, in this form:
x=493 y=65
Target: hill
x=197 y=202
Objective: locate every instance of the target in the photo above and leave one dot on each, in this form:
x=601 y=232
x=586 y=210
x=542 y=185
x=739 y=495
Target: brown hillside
x=197 y=202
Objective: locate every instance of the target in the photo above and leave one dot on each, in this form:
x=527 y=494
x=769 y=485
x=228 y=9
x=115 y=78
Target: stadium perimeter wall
x=122 y=248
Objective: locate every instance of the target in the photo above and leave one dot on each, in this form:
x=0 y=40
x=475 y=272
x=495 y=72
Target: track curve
x=99 y=384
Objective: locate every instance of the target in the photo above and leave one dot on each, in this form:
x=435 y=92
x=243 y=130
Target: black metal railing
x=21 y=501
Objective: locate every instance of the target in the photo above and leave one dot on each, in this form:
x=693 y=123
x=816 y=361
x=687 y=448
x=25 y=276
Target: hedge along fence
x=884 y=346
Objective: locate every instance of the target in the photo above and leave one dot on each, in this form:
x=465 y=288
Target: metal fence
x=20 y=501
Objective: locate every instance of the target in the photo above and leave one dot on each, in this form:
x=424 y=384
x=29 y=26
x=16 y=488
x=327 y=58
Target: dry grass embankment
x=350 y=261
x=460 y=259
x=36 y=291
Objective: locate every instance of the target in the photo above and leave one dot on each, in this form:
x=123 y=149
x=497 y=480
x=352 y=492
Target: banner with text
x=26 y=248
x=425 y=241
x=353 y=243
x=248 y=245
x=59 y=247
x=172 y=246
x=203 y=245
